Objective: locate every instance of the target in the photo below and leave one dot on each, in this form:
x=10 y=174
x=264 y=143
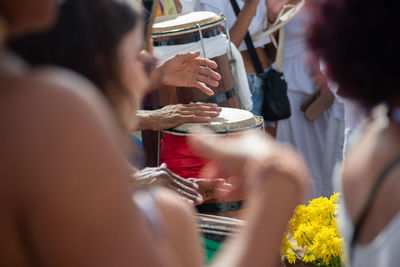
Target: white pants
x=315 y=140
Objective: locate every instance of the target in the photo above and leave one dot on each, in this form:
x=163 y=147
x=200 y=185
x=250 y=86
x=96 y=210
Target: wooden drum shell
x=224 y=93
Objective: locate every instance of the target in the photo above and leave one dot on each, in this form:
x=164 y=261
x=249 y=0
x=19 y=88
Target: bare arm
x=76 y=196
x=268 y=214
x=242 y=23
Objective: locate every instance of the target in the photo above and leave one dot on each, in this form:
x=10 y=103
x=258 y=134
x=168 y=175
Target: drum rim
x=190 y=29
x=173 y=131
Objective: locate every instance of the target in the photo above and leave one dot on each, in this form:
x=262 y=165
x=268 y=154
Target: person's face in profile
x=132 y=69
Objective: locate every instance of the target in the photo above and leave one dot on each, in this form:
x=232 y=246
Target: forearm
x=242 y=24
x=145 y=120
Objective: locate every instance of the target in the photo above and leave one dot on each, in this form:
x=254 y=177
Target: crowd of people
x=73 y=75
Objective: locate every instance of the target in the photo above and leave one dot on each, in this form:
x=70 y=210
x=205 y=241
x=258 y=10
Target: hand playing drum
x=193 y=190
x=191 y=76
x=184 y=70
x=188 y=70
x=173 y=115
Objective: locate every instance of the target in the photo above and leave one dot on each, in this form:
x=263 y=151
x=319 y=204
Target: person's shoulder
x=64 y=86
x=49 y=100
x=65 y=92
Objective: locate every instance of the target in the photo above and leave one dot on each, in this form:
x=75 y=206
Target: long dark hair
x=85 y=39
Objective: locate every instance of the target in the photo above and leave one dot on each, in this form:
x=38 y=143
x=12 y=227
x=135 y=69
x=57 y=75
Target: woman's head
x=99 y=39
x=27 y=15
x=359 y=41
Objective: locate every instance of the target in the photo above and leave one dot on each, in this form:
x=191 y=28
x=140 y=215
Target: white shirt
x=187 y=6
x=225 y=7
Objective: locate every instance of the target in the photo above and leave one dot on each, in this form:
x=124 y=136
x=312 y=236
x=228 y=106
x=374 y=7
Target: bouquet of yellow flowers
x=313 y=237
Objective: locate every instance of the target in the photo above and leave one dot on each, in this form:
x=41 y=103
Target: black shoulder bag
x=276 y=104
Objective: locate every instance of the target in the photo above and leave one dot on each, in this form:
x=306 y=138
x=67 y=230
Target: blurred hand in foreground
x=246 y=159
x=208 y=188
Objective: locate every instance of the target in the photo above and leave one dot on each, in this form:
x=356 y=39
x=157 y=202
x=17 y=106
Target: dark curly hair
x=359 y=40
x=85 y=39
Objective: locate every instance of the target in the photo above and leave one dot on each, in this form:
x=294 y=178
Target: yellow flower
x=313 y=228
x=291 y=257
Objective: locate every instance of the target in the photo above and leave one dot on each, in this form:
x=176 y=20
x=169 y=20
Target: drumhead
x=230 y=120
x=185 y=23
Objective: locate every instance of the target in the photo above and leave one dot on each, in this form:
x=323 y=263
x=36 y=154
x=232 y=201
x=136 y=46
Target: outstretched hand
x=188 y=70
x=173 y=115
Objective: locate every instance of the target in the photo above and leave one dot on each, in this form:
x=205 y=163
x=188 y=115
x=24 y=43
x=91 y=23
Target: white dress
x=319 y=141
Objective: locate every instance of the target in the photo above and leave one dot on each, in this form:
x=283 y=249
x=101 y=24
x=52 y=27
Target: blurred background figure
x=369 y=181
x=187 y=5
x=168 y=7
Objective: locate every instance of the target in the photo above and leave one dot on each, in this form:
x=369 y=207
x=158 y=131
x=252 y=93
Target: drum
x=214 y=231
x=180 y=160
x=187 y=33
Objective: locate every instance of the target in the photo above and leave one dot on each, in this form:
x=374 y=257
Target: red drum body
x=187 y=33
x=180 y=159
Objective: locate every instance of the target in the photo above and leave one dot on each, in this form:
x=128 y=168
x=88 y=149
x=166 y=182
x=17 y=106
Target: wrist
x=146 y=119
x=163 y=76
x=157 y=77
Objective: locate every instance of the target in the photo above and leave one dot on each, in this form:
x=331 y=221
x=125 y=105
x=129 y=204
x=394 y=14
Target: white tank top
x=383 y=250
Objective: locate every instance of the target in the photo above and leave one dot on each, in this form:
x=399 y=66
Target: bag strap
x=280 y=49
x=249 y=43
x=370 y=199
x=250 y=46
